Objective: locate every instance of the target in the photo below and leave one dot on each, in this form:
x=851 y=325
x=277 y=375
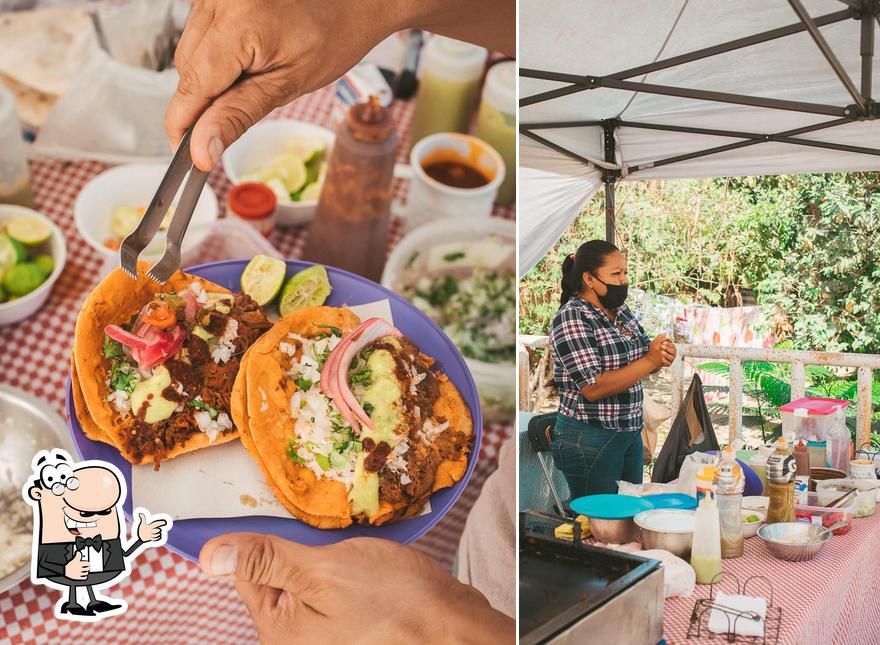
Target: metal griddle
x=570 y=590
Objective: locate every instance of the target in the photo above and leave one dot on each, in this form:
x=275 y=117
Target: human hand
x=355 y=590
x=656 y=353
x=239 y=60
x=669 y=352
x=77 y=569
x=149 y=531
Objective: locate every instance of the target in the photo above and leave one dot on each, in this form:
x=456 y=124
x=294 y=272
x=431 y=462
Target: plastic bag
x=112 y=113
x=691 y=431
x=679 y=577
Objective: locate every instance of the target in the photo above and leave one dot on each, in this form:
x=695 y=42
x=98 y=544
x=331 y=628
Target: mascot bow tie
x=95 y=543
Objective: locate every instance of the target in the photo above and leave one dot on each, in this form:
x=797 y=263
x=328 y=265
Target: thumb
x=228 y=117
x=142 y=519
x=257 y=559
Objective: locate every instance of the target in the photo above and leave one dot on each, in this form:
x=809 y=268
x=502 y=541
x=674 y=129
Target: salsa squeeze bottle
x=706 y=549
x=350 y=230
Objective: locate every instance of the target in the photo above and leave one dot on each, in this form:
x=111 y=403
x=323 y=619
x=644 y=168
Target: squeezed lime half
x=262 y=278
x=308 y=288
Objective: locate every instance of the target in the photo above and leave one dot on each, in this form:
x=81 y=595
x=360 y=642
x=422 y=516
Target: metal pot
x=614 y=531
x=676 y=542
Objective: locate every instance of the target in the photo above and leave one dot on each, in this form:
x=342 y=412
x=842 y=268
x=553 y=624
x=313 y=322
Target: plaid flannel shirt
x=584 y=342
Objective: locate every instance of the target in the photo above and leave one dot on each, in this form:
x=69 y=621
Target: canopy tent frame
x=863 y=108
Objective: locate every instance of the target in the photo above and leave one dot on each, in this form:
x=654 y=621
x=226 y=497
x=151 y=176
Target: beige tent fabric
x=487 y=551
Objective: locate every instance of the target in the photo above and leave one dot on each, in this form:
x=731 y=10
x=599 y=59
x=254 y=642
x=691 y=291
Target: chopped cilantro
x=201 y=405
x=303 y=383
x=122 y=377
x=323 y=461
x=112 y=348
x=361 y=377
x=291 y=452
x=334 y=331
x=368 y=408
x=452 y=257
x=412 y=259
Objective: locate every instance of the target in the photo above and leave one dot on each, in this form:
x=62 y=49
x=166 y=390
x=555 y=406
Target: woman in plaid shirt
x=601 y=354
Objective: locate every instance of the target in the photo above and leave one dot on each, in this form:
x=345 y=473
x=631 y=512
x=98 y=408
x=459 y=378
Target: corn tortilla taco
x=153 y=366
x=347 y=420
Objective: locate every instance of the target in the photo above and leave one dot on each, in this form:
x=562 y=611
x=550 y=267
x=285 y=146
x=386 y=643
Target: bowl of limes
x=32 y=255
x=288 y=156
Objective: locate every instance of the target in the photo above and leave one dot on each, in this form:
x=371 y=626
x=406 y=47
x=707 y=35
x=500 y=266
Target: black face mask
x=616 y=295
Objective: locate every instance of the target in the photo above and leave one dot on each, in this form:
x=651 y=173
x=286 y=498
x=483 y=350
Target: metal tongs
x=137 y=241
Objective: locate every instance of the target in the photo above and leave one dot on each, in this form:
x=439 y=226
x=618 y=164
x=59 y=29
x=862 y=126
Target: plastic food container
x=866 y=499
x=495 y=381
x=810 y=418
x=816 y=511
x=254 y=204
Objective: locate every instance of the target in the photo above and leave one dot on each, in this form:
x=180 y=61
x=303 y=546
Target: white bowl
x=21 y=308
x=495 y=381
x=749 y=530
x=756 y=502
x=133 y=185
x=260 y=144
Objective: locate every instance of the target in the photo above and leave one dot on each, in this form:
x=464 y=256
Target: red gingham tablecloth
x=831 y=599
x=169 y=600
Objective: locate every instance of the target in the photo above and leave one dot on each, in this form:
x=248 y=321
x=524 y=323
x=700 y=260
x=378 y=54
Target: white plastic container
x=27 y=305
x=495 y=381
x=866 y=499
x=429 y=199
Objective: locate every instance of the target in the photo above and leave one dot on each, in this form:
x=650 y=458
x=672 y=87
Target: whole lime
x=46 y=264
x=21 y=279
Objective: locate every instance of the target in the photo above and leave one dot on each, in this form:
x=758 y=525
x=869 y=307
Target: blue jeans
x=594 y=459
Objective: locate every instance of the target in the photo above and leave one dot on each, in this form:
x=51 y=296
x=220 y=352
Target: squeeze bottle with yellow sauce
x=496 y=122
x=706 y=549
x=450 y=74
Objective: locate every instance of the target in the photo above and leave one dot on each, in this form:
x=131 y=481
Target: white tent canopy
x=782 y=85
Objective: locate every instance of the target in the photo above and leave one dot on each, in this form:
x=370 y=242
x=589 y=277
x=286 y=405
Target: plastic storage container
x=496 y=122
x=15 y=181
x=810 y=418
x=816 y=511
x=866 y=499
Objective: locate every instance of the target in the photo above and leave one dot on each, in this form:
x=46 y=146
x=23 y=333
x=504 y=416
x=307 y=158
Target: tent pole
x=553 y=146
x=609 y=177
x=867 y=52
x=828 y=53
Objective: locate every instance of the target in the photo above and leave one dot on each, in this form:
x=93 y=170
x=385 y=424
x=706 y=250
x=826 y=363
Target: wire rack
x=699 y=624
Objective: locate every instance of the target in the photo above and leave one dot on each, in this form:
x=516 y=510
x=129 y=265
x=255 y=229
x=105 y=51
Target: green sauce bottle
x=449 y=80
x=496 y=122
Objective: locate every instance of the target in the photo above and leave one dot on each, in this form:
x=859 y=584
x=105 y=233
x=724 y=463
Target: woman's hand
x=669 y=352
x=656 y=353
x=361 y=589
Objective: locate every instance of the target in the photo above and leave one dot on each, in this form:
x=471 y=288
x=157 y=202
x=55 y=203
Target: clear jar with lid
x=496 y=122
x=15 y=181
x=254 y=204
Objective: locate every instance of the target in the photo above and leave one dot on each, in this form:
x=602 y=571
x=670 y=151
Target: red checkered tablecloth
x=169 y=600
x=831 y=599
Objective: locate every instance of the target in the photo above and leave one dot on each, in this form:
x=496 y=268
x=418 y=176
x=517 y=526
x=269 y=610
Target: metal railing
x=865 y=364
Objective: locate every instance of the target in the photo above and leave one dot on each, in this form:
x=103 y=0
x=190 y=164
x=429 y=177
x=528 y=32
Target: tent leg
x=609 y=209
x=867 y=53
x=609 y=176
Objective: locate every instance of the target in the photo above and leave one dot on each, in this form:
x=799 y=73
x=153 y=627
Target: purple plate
x=188 y=536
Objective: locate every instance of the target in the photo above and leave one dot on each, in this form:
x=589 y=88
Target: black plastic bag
x=691 y=431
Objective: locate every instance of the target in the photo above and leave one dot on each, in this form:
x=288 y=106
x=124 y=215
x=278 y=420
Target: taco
x=153 y=366
x=348 y=420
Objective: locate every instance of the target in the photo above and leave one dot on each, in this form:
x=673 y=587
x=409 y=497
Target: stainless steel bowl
x=614 y=531
x=783 y=540
x=26 y=426
x=676 y=542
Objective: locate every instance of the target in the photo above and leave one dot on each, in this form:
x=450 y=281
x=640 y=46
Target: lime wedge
x=28 y=230
x=311 y=193
x=305 y=149
x=45 y=263
x=308 y=288
x=262 y=278
x=8 y=254
x=291 y=170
